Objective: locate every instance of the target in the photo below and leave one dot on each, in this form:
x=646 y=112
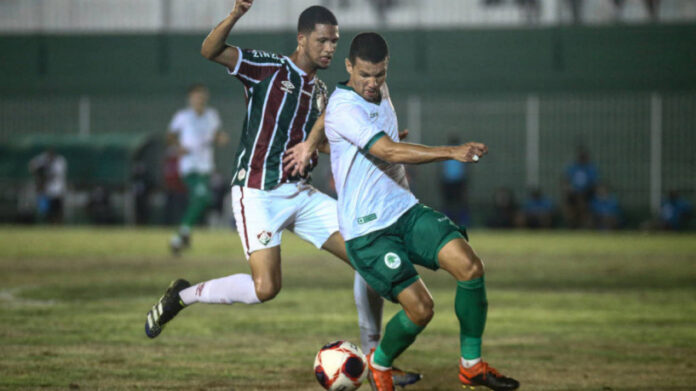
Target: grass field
x=568 y=311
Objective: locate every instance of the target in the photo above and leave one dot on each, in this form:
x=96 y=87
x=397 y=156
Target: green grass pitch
x=568 y=311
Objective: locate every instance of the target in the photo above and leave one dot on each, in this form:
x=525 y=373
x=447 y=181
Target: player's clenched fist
x=469 y=152
x=241 y=7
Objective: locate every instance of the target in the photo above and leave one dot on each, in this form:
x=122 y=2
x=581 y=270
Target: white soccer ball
x=340 y=366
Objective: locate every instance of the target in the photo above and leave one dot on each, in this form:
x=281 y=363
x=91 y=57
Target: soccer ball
x=340 y=366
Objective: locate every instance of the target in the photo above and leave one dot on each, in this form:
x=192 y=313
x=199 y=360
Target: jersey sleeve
x=177 y=123
x=255 y=65
x=353 y=124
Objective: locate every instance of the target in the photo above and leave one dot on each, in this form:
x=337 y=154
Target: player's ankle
x=469 y=363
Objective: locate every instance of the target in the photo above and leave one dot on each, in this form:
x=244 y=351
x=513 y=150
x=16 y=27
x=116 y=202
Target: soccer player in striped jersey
x=284 y=99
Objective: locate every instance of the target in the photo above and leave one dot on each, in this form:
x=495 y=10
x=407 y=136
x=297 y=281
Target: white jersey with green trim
x=372 y=193
x=196 y=134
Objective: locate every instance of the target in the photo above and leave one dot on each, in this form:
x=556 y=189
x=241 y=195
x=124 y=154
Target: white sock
x=377 y=366
x=470 y=363
x=237 y=288
x=369 y=304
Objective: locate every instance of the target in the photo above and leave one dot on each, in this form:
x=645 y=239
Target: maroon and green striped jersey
x=282 y=105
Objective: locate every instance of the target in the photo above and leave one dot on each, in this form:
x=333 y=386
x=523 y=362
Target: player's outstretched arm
x=393 y=152
x=297 y=158
x=214 y=47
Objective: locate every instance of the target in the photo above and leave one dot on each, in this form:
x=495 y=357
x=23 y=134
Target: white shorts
x=262 y=215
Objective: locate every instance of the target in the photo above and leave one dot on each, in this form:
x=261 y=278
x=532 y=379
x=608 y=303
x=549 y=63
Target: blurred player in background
x=387 y=230
x=194 y=131
x=50 y=172
x=284 y=100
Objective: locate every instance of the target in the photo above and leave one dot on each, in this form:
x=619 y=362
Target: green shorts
x=385 y=258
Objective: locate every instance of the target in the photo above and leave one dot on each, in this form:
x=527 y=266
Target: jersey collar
x=298 y=69
x=344 y=86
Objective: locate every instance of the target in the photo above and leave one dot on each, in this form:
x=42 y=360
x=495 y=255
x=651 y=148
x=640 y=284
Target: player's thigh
x=382 y=260
x=336 y=246
x=426 y=231
x=460 y=260
x=316 y=219
x=260 y=217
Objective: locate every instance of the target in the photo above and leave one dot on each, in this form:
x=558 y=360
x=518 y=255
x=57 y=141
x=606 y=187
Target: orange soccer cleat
x=380 y=379
x=482 y=374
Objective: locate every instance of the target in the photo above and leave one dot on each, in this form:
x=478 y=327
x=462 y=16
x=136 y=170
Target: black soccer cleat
x=404 y=378
x=482 y=374
x=165 y=309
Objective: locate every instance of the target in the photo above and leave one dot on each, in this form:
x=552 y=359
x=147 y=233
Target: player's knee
x=423 y=312
x=475 y=268
x=266 y=289
x=469 y=268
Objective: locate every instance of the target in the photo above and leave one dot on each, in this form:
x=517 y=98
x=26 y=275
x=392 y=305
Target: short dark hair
x=313 y=16
x=197 y=87
x=369 y=47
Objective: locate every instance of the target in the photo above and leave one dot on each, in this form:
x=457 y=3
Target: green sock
x=398 y=335
x=471 y=307
x=199 y=198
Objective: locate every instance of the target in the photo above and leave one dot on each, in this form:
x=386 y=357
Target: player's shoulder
x=342 y=97
x=262 y=56
x=182 y=113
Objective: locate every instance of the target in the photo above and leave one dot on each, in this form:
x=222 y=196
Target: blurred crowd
x=586 y=202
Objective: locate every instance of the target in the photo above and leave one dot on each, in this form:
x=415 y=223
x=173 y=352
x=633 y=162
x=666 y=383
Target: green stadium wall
x=594 y=86
x=646 y=57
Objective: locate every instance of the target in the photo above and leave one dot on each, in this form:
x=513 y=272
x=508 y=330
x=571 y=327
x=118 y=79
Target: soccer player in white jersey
x=386 y=229
x=284 y=100
x=194 y=131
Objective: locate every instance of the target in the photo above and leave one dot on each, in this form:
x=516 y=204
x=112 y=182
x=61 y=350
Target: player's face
x=366 y=78
x=320 y=45
x=198 y=99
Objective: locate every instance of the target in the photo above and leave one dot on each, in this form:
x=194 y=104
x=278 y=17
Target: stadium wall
x=591 y=86
x=646 y=57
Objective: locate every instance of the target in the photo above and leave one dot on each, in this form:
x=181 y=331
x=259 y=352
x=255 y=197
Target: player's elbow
x=207 y=53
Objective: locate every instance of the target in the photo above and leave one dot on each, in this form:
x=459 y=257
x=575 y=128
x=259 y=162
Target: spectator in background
x=505 y=211
x=675 y=212
x=604 y=206
x=537 y=211
x=50 y=175
x=194 y=131
x=453 y=188
x=579 y=185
